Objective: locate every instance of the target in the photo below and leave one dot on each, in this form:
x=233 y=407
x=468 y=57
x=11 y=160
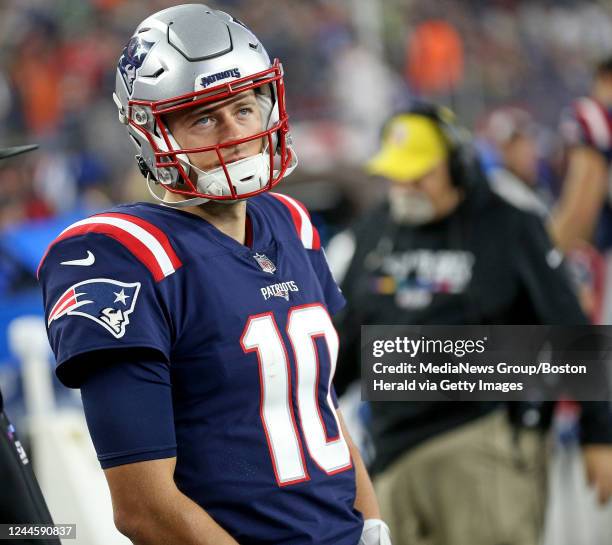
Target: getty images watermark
x=486 y=363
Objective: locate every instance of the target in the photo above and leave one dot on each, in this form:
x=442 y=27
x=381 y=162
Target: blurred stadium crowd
x=57 y=73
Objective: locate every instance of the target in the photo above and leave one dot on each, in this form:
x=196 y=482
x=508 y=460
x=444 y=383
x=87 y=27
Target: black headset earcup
x=444 y=119
x=455 y=168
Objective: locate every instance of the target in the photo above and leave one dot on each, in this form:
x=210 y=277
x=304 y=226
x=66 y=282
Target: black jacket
x=486 y=263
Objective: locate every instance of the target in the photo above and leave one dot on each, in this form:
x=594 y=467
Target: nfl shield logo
x=265 y=263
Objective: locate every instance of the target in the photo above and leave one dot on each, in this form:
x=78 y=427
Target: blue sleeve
x=112 y=303
x=128 y=407
x=333 y=295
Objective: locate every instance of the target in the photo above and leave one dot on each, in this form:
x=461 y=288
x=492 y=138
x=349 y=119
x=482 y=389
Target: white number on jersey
x=261 y=335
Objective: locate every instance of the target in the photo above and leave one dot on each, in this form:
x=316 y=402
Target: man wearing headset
x=443 y=249
x=21 y=501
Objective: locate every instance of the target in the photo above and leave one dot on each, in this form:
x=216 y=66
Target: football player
x=199 y=328
x=583 y=213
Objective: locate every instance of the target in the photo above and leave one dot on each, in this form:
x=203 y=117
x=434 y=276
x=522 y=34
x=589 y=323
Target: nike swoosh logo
x=86 y=262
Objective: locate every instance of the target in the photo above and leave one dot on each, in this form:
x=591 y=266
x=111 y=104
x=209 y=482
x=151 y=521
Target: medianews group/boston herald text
x=541 y=368
x=493 y=363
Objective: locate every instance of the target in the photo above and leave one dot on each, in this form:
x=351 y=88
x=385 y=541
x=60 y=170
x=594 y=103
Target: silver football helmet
x=187 y=56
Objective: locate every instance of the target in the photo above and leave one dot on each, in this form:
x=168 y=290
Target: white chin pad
x=247 y=175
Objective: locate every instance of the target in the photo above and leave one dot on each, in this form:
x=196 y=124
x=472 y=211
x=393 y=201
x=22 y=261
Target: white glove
x=375 y=532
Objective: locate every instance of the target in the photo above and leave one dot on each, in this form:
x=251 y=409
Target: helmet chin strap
x=256 y=168
x=195 y=201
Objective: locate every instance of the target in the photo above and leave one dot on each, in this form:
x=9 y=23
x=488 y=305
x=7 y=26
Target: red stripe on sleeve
x=135 y=246
x=153 y=230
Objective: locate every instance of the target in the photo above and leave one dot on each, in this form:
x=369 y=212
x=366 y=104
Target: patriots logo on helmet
x=206 y=80
x=107 y=302
x=134 y=54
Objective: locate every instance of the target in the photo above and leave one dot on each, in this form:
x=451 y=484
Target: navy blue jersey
x=589 y=123
x=247 y=336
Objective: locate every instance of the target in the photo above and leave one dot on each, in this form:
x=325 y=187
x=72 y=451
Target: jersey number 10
x=262 y=336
